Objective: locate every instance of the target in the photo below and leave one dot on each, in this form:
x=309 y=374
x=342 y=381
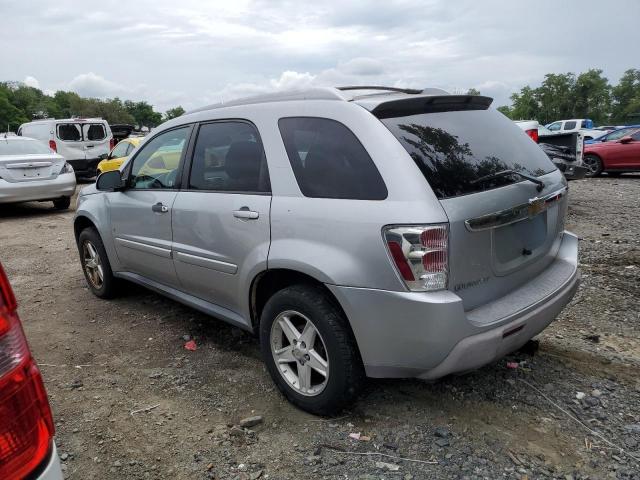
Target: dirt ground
x=131 y=402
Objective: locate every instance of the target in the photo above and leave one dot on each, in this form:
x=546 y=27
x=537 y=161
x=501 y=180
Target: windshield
x=455 y=149
x=23 y=147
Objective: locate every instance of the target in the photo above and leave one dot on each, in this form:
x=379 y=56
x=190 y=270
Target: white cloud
x=30 y=81
x=92 y=85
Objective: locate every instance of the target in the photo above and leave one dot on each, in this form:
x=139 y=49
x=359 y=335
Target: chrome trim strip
x=28 y=165
x=143 y=247
x=509 y=216
x=199 y=261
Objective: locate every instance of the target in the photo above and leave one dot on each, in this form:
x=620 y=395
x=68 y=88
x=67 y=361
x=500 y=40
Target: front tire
x=95 y=264
x=62 y=203
x=594 y=164
x=309 y=350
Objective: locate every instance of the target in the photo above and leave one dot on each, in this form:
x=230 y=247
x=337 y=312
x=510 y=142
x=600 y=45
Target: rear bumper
x=63 y=185
x=429 y=335
x=572 y=172
x=52 y=470
x=85 y=167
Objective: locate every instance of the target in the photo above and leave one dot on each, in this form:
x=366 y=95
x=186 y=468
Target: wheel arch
x=80 y=223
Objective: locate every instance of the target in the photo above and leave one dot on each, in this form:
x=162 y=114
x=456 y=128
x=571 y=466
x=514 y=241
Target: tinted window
x=23 y=147
x=120 y=150
x=69 y=132
x=328 y=160
x=228 y=157
x=94 y=131
x=569 y=125
x=458 y=152
x=156 y=165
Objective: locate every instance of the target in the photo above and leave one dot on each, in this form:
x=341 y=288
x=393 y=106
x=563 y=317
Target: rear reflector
x=420 y=255
x=26 y=424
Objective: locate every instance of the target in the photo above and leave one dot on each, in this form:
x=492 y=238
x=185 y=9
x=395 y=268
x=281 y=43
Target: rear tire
x=62 y=203
x=594 y=164
x=332 y=350
x=95 y=264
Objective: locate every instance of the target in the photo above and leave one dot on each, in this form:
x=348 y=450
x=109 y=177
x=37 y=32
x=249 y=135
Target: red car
x=613 y=157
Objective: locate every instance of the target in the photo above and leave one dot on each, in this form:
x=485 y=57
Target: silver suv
x=358 y=231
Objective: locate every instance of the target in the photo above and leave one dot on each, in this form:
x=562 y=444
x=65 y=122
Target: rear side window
x=460 y=152
x=228 y=157
x=569 y=125
x=328 y=161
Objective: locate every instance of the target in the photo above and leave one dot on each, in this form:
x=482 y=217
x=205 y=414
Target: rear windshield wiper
x=504 y=173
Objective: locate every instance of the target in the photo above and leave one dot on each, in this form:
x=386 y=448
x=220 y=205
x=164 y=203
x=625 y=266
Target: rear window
x=78 y=132
x=328 y=161
x=23 y=147
x=458 y=152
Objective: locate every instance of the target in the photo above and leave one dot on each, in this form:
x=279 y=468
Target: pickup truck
x=564 y=149
x=582 y=125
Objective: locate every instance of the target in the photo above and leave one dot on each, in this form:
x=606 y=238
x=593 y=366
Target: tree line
x=587 y=95
x=20 y=103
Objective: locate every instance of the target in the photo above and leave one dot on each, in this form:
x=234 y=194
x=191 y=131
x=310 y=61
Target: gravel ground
x=131 y=402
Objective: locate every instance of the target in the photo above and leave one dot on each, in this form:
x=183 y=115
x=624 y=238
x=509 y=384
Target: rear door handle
x=246 y=214
x=160 y=208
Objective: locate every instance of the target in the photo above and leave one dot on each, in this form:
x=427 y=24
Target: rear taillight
x=533 y=133
x=112 y=143
x=26 y=424
x=53 y=146
x=420 y=255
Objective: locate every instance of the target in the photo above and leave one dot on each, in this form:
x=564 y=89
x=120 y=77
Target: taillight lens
x=26 y=424
x=112 y=143
x=420 y=255
x=533 y=133
x=53 y=146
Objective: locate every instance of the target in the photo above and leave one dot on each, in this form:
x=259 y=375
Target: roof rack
x=411 y=91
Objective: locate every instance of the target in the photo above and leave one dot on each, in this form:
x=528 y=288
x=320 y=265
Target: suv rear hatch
x=80 y=140
x=504 y=228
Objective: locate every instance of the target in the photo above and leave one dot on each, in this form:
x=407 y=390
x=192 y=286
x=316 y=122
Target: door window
x=329 y=161
x=569 y=125
x=120 y=150
x=157 y=164
x=554 y=127
x=228 y=157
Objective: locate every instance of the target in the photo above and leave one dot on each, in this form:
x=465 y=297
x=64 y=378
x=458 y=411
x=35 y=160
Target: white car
x=83 y=142
x=582 y=125
x=30 y=171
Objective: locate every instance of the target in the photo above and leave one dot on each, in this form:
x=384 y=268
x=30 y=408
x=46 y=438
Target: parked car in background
x=284 y=216
x=30 y=170
x=118 y=154
x=616 y=134
x=582 y=125
x=83 y=142
x=27 y=448
x=614 y=156
x=563 y=149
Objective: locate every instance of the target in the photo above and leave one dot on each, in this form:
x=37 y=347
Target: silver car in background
x=358 y=231
x=30 y=170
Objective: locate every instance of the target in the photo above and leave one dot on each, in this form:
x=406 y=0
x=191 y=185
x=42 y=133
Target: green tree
x=173 y=113
x=11 y=117
x=473 y=91
x=555 y=97
x=525 y=105
x=143 y=114
x=592 y=96
x=626 y=98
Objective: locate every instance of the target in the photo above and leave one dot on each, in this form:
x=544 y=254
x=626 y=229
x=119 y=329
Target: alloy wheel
x=92 y=264
x=299 y=353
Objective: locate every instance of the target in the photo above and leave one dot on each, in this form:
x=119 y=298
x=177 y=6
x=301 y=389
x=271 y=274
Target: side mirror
x=626 y=139
x=110 y=181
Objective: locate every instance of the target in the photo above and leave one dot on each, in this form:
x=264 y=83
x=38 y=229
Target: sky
x=195 y=52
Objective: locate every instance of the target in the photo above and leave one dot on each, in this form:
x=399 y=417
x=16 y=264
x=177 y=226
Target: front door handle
x=160 y=208
x=246 y=214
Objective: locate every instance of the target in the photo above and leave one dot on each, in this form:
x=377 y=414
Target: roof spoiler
x=403 y=107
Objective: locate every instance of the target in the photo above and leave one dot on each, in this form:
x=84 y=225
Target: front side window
x=228 y=157
x=569 y=125
x=328 y=160
x=618 y=134
x=120 y=150
x=157 y=164
x=554 y=127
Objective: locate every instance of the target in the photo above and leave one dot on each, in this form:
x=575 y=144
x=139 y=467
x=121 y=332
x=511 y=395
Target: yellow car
x=119 y=154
